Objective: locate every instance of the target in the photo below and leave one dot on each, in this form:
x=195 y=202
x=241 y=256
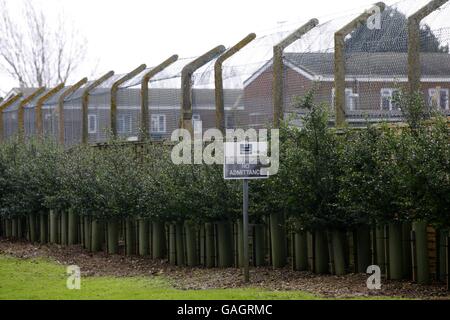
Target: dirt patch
x=101 y=264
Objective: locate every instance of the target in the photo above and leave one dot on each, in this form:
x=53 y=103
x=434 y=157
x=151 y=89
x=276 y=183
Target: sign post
x=245 y=232
x=242 y=163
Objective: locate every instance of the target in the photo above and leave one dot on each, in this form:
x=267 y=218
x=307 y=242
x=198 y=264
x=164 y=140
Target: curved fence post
x=278 y=68
x=220 y=104
x=414 y=67
x=114 y=89
x=339 y=61
x=5 y=105
x=186 y=85
x=61 y=99
x=85 y=105
x=20 y=112
x=40 y=104
x=145 y=130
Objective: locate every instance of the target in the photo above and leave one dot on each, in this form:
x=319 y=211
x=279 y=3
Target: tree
x=33 y=51
x=392 y=37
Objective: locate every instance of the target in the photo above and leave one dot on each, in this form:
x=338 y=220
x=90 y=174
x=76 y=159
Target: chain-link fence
x=357 y=61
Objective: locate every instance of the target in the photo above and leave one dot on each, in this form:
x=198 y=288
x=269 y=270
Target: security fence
x=355 y=62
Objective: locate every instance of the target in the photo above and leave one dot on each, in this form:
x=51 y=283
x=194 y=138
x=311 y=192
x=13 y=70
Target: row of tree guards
x=412 y=251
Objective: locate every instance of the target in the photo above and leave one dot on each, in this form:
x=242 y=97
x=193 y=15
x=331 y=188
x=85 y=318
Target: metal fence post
x=339 y=61
x=414 y=67
x=5 y=105
x=277 y=86
x=21 y=110
x=186 y=85
x=85 y=105
x=40 y=104
x=61 y=99
x=220 y=104
x=114 y=89
x=145 y=113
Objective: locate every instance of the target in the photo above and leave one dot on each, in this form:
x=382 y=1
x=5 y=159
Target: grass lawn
x=42 y=279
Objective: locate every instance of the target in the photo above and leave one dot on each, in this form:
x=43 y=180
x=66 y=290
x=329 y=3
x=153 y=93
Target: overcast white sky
x=126 y=33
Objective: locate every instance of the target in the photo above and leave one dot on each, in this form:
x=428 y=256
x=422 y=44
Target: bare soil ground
x=101 y=264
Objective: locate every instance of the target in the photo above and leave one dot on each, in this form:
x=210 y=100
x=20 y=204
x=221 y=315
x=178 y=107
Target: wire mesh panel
x=165 y=100
x=72 y=109
x=128 y=114
x=29 y=117
x=50 y=116
x=10 y=120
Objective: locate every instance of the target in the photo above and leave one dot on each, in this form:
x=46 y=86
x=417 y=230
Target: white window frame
x=123 y=129
x=196 y=118
x=156 y=118
x=349 y=96
x=229 y=118
x=432 y=93
x=90 y=117
x=390 y=94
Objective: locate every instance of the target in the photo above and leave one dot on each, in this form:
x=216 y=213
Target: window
x=158 y=123
x=388 y=96
x=124 y=123
x=438 y=98
x=92 y=123
x=229 y=121
x=350 y=99
x=196 y=123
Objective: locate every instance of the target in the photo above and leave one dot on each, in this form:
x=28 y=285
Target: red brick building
x=372 y=80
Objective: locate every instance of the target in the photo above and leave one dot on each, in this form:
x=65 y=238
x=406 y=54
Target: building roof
x=384 y=64
x=388 y=66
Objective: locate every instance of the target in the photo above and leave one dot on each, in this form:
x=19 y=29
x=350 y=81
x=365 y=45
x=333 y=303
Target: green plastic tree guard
x=181 y=252
x=442 y=236
x=202 y=245
x=363 y=252
x=225 y=244
x=32 y=227
x=240 y=240
x=130 y=237
x=43 y=227
x=19 y=227
x=278 y=240
x=64 y=228
x=87 y=233
x=159 y=249
x=113 y=237
x=259 y=245
x=311 y=257
x=300 y=251
x=209 y=245
x=321 y=252
x=53 y=226
x=73 y=228
x=191 y=244
x=8 y=227
x=172 y=244
x=380 y=248
x=338 y=240
x=143 y=237
x=14 y=228
x=97 y=235
x=406 y=250
x=395 y=251
x=423 y=267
